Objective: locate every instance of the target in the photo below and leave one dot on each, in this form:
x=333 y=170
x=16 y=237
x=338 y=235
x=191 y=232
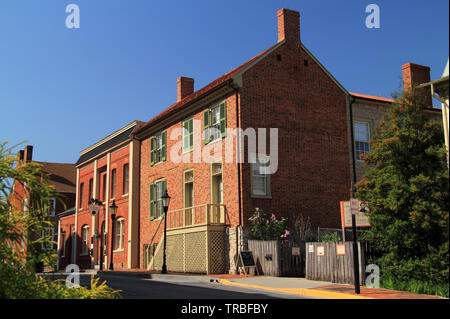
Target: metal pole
x=164 y=267
x=355 y=255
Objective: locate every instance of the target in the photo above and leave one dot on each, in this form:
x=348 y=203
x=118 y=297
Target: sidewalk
x=317 y=289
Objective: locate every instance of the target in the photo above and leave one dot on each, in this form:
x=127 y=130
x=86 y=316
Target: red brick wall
x=118 y=159
x=173 y=173
x=309 y=110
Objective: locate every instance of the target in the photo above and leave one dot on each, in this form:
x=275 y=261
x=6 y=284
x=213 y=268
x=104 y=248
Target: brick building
x=105 y=172
x=200 y=151
x=62 y=177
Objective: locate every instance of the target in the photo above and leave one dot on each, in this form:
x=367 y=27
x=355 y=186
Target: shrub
x=264 y=227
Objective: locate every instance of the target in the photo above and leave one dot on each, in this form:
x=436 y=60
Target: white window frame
x=188 y=136
x=118 y=244
x=358 y=158
x=45 y=232
x=84 y=241
x=254 y=160
x=52 y=208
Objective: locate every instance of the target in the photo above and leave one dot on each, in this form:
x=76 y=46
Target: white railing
x=206 y=214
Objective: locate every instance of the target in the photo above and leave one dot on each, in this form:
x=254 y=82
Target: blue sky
x=64 y=89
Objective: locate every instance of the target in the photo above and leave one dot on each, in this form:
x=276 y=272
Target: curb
x=298 y=291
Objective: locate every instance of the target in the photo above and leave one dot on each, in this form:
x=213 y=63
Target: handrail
x=157 y=227
x=204 y=214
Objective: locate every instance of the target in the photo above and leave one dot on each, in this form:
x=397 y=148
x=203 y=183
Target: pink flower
x=286 y=233
x=273 y=217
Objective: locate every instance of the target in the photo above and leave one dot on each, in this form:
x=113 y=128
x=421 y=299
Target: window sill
x=118 y=250
x=125 y=195
x=156 y=164
x=215 y=141
x=261 y=196
x=187 y=151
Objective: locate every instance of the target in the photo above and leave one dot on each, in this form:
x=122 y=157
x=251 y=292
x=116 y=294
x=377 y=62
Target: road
x=135 y=287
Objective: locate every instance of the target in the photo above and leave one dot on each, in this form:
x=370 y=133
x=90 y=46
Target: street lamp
x=113 y=208
x=165 y=202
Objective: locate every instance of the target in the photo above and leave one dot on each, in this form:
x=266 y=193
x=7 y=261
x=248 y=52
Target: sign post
x=355 y=210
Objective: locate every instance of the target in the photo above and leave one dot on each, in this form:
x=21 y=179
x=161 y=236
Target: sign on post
x=361 y=219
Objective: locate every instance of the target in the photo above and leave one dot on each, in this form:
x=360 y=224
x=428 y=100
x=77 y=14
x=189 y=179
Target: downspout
x=352 y=189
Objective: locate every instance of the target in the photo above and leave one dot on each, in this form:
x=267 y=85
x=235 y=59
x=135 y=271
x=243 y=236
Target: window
x=361 y=139
x=125 y=179
x=63 y=244
x=158 y=148
x=104 y=188
x=84 y=240
x=260 y=177
x=91 y=189
x=119 y=234
x=81 y=194
x=52 y=206
x=188 y=135
x=113 y=184
x=156 y=191
x=25 y=207
x=48 y=237
x=215 y=122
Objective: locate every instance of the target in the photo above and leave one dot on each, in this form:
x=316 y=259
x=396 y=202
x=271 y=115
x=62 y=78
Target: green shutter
x=223 y=118
x=163 y=188
x=152 y=150
x=191 y=134
x=152 y=202
x=206 y=135
x=163 y=146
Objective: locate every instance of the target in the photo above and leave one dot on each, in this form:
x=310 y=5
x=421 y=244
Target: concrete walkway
x=317 y=289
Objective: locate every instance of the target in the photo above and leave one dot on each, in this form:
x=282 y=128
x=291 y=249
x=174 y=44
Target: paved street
x=136 y=287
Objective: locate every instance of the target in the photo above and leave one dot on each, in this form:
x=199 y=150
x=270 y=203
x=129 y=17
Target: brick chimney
x=20 y=157
x=185 y=86
x=289 y=26
x=28 y=154
x=415 y=74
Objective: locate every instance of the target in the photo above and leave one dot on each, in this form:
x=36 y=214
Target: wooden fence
x=278 y=258
x=333 y=261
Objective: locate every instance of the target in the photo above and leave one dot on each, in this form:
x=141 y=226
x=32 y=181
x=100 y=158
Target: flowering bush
x=268 y=228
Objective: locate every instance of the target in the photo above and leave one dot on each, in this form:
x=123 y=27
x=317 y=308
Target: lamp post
x=113 y=208
x=165 y=201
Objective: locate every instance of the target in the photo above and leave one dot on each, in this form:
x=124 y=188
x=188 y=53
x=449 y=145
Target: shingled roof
x=62 y=175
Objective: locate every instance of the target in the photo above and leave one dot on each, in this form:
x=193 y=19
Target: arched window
x=84 y=240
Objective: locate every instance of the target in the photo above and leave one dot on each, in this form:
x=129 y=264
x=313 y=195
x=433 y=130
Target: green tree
x=17 y=267
x=407 y=190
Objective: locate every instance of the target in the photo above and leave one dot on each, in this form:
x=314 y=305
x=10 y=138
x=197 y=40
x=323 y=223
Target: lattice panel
x=196 y=252
x=217 y=258
x=175 y=258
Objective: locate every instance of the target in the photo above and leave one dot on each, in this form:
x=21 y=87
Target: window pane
x=362 y=132
x=259 y=185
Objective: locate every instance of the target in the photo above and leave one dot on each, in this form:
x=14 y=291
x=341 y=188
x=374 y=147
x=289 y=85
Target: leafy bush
x=415 y=286
x=407 y=191
x=264 y=227
x=21 y=235
x=331 y=237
